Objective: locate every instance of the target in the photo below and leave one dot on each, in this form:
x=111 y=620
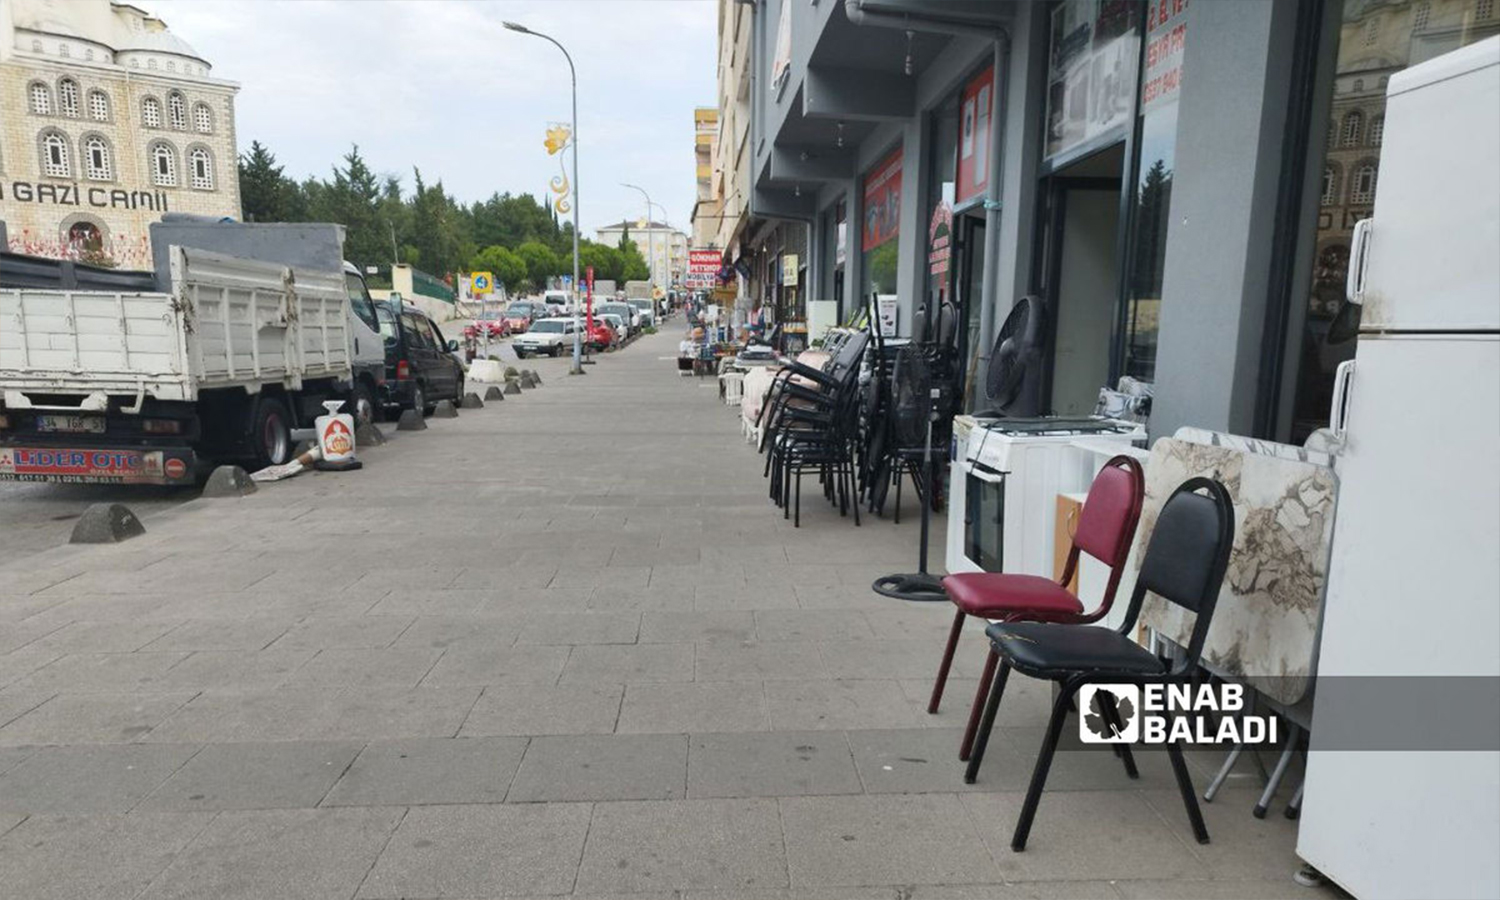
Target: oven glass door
x=984 y=522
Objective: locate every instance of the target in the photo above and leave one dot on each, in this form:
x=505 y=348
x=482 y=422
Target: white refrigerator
x=1414 y=580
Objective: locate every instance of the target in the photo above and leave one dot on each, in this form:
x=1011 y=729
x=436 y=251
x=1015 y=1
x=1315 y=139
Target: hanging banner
x=703 y=268
x=789 y=270
x=882 y=202
x=940 y=239
x=1092 y=67
x=976 y=103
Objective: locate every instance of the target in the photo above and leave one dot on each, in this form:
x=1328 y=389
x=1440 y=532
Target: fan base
x=918 y=587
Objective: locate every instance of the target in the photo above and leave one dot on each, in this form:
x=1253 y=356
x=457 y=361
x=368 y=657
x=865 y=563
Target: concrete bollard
x=527 y=380
x=445 y=410
x=368 y=434
x=411 y=420
x=513 y=386
x=228 y=481
x=493 y=392
x=471 y=401
x=106 y=523
x=537 y=377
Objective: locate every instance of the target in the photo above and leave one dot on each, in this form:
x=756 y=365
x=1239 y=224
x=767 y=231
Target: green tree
x=263 y=188
x=507 y=267
x=437 y=229
x=633 y=266
x=351 y=199
x=606 y=260
x=541 y=263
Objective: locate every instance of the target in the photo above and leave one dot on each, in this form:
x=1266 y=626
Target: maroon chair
x=1106 y=527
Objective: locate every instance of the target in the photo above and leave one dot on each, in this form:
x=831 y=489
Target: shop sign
x=882 y=202
x=1091 y=74
x=1166 y=35
x=48 y=193
x=940 y=239
x=703 y=268
x=974 y=139
x=789 y=270
x=885 y=307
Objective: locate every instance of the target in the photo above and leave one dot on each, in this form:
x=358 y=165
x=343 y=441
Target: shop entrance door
x=968 y=277
x=1080 y=278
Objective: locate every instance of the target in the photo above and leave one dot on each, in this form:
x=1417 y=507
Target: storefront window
x=940 y=185
x=1161 y=84
x=1091 y=73
x=1375 y=41
x=880 y=228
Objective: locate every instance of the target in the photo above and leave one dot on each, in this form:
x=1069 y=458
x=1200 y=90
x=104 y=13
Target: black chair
x=815 y=431
x=1184 y=564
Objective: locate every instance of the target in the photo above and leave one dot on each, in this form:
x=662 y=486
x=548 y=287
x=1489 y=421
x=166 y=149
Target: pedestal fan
x=912 y=414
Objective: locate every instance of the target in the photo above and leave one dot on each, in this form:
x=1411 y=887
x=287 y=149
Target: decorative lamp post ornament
x=558 y=136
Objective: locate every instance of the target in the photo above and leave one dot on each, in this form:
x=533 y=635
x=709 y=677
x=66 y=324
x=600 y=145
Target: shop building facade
x=1177 y=179
x=107 y=121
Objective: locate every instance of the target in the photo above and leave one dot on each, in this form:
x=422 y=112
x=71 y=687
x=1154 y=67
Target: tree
x=507 y=267
x=605 y=259
x=541 y=263
x=437 y=229
x=351 y=200
x=633 y=266
x=263 y=188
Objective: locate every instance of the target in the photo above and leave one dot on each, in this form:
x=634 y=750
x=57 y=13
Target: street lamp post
x=650 y=240
x=573 y=125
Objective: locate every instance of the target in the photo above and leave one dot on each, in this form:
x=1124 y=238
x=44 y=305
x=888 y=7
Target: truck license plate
x=71 y=424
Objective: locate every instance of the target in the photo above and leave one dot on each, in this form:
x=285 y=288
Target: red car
x=601 y=336
x=493 y=321
x=519 y=316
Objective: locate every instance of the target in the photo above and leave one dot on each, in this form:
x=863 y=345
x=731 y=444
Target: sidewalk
x=563 y=645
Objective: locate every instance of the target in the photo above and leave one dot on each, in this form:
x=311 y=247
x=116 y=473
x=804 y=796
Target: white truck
x=132 y=386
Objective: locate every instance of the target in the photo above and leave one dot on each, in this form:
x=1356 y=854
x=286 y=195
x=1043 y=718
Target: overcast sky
x=441 y=85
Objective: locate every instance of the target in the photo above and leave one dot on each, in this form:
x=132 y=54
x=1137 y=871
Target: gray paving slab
x=811 y=625
x=697 y=627
x=233 y=670
x=223 y=716
x=384 y=667
x=867 y=840
x=472 y=664
x=602 y=767
x=285 y=774
x=641 y=599
x=730 y=845
x=409 y=601
x=805 y=705
x=1241 y=847
x=453 y=632
x=770 y=764
x=242 y=635
x=692 y=707
x=426 y=771
x=629 y=664
x=92 y=719
x=481 y=851
x=84 y=778
x=759 y=661
x=101 y=637
x=537 y=709
x=353 y=632
x=101 y=672
x=109 y=857
x=580 y=628
x=296 y=854
x=373 y=713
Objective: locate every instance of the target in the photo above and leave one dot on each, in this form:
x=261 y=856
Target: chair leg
x=1185 y=787
x=1218 y=781
x=982 y=740
x=947 y=663
x=797 y=517
x=1112 y=716
x=976 y=709
x=1293 y=733
x=1043 y=765
x=897 y=471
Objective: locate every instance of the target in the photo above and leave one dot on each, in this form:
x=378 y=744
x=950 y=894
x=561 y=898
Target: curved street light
x=573 y=126
x=650 y=236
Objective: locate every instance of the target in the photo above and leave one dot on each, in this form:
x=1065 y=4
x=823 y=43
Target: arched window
x=85 y=236
x=1330 y=185
x=201 y=167
x=97 y=164
x=176 y=110
x=163 y=164
x=98 y=106
x=1362 y=185
x=1377 y=130
x=1354 y=124
x=67 y=97
x=151 y=112
x=1359 y=85
x=41 y=99
x=55 y=156
x=1419 y=18
x=203 y=118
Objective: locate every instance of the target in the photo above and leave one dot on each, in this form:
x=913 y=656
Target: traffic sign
x=482 y=282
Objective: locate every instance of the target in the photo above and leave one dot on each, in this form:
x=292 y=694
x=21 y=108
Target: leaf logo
x=1108 y=713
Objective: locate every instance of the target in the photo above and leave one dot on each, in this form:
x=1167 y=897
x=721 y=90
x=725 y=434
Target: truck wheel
x=362 y=404
x=419 y=400
x=270 y=434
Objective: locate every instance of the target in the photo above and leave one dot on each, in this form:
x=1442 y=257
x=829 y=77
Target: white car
x=557 y=303
x=552 y=336
x=647 y=308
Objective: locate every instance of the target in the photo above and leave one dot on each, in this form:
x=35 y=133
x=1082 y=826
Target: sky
x=443 y=86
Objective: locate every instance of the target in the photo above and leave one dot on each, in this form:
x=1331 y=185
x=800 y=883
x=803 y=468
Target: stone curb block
x=445 y=410
x=411 y=420
x=106 y=523
x=229 y=481
x=471 y=401
x=512 y=387
x=493 y=392
x=368 y=434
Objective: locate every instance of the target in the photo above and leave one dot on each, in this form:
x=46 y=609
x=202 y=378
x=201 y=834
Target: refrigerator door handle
x=1343 y=381
x=1359 y=257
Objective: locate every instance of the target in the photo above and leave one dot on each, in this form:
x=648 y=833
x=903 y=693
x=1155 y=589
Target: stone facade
x=107 y=120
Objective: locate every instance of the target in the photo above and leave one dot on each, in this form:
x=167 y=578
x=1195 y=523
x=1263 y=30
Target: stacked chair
x=810 y=424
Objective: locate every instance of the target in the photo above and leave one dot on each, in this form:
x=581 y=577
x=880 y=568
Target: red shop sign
x=882 y=202
x=975 y=127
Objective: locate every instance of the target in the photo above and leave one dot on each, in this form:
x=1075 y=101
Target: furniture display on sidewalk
x=1183 y=565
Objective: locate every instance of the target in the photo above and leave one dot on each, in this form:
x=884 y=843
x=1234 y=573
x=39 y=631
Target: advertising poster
x=1091 y=70
x=1166 y=36
x=974 y=139
x=882 y=202
x=703 y=268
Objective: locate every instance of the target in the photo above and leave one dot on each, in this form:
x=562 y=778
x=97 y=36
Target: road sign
x=482 y=282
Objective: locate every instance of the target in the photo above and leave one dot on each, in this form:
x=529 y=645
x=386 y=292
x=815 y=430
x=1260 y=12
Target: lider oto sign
x=48 y=193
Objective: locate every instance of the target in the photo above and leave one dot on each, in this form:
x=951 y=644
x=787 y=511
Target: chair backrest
x=1106 y=525
x=1187 y=556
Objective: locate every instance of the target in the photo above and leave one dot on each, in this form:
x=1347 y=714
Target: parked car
x=492 y=321
x=557 y=303
x=421 y=367
x=520 y=315
x=551 y=336
x=615 y=323
x=648 y=310
x=602 y=335
x=627 y=313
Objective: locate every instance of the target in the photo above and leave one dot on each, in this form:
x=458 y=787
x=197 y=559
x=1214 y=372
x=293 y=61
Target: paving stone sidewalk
x=563 y=645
